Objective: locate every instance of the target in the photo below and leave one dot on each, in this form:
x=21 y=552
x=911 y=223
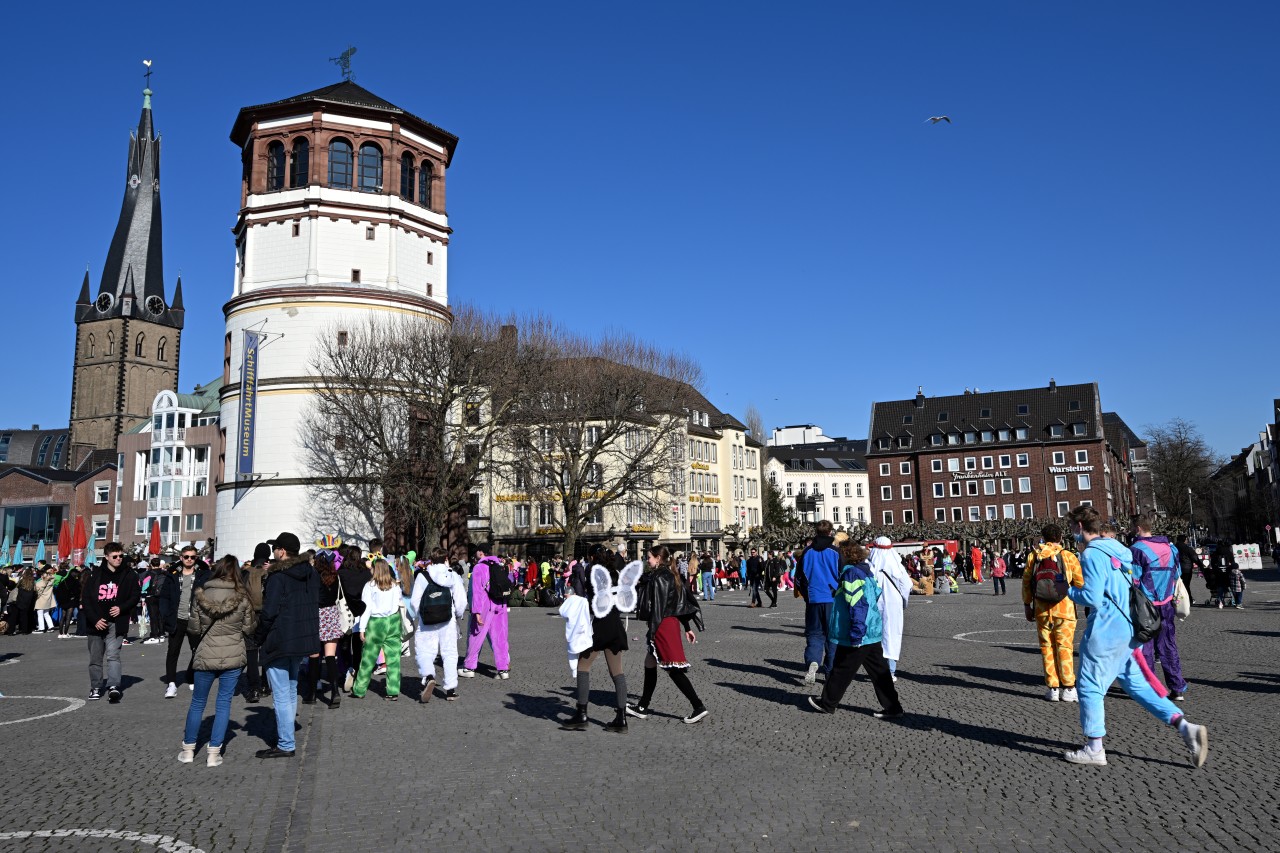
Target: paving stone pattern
x=974 y=766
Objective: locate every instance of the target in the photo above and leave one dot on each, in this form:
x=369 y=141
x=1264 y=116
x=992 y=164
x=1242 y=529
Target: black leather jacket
x=660 y=596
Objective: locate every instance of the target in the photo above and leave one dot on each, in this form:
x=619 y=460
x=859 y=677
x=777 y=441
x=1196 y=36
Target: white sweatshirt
x=379 y=602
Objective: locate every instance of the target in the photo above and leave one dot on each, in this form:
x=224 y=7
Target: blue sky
x=750 y=183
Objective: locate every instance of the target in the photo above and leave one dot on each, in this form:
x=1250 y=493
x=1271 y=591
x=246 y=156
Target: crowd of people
x=288 y=620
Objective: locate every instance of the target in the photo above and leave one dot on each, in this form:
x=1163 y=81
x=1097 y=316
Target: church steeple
x=132 y=284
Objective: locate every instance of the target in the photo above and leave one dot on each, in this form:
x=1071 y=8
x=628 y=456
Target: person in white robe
x=895 y=588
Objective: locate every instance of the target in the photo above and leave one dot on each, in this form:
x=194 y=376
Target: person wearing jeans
x=288 y=631
x=221 y=617
x=110 y=593
x=816 y=577
x=708 y=569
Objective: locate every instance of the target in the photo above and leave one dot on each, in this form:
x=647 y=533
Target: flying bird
x=936 y=119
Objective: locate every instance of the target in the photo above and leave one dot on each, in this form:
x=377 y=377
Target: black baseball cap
x=287 y=541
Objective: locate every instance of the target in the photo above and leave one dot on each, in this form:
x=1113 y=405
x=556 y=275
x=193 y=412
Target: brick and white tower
x=342 y=216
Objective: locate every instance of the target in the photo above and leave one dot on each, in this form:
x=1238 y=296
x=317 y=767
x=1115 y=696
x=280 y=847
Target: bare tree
x=755 y=422
x=601 y=425
x=1181 y=463
x=405 y=412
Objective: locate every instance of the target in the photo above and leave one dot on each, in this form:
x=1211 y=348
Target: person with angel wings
x=611 y=591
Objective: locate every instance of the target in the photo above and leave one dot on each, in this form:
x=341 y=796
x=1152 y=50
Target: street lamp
x=1192 y=520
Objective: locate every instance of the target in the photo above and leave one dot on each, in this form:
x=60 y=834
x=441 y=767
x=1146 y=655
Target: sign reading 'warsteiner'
x=248 y=406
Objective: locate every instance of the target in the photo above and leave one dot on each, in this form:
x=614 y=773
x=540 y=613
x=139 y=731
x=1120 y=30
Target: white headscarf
x=886 y=563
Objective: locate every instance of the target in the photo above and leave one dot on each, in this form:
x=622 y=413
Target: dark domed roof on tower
x=347 y=94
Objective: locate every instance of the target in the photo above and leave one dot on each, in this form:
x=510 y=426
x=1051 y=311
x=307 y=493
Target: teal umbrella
x=39 y=552
x=4 y=552
x=17 y=554
x=88 y=551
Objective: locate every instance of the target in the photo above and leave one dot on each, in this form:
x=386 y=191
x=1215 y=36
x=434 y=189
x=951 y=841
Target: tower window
x=93 y=346
x=368 y=232
x=355 y=276
x=430 y=289
x=137 y=346
x=340 y=164
x=342 y=339
x=370 y=168
x=431 y=258
x=160 y=348
x=299 y=164
x=275 y=166
x=297 y=229
x=406 y=176
x=426 y=181
x=111 y=343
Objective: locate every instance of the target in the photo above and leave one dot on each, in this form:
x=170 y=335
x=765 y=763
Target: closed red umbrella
x=64 y=541
x=78 y=542
x=153 y=547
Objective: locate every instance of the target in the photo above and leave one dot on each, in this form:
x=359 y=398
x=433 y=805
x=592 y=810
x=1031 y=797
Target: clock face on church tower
x=155 y=304
x=104 y=302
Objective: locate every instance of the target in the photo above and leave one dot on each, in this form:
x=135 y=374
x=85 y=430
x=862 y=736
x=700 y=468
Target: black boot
x=335 y=681
x=578 y=722
x=313 y=681
x=619 y=724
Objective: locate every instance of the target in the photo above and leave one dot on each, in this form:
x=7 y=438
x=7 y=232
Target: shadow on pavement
x=1245 y=686
x=999 y=674
x=795 y=666
x=10 y=656
x=983 y=734
x=964 y=683
x=538 y=707
x=772 y=694
x=784 y=677
x=754 y=630
x=1257 y=633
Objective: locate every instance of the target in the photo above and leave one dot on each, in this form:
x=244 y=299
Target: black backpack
x=435 y=607
x=499 y=584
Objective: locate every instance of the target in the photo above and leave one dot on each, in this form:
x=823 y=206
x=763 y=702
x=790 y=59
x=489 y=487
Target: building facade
x=1031 y=454
x=829 y=475
x=342 y=219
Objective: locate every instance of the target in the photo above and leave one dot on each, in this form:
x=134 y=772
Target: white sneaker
x=1197 y=740
x=192 y=687
x=812 y=675
x=150 y=641
x=171 y=691
x=1052 y=694
x=348 y=681
x=503 y=674
x=1069 y=695
x=463 y=672
x=1084 y=755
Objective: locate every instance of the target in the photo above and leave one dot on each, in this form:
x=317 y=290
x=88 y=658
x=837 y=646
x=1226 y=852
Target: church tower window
x=93 y=347
x=425 y=182
x=160 y=348
x=370 y=168
x=299 y=164
x=406 y=176
x=340 y=164
x=137 y=347
x=275 y=166
x=111 y=343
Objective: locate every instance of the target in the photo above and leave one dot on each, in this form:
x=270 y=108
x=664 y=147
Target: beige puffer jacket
x=44 y=594
x=228 y=618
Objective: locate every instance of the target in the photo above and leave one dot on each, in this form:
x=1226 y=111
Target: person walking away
x=490 y=594
x=1189 y=562
x=252 y=578
x=1109 y=650
x=667 y=606
x=379 y=628
x=1158 y=570
x=1220 y=565
x=998 y=570
x=179 y=593
x=707 y=569
x=894 y=585
x=773 y=569
x=24 y=602
x=221 y=617
x=67 y=595
x=330 y=631
x=287 y=633
x=819 y=568
x=1050 y=571
x=111 y=591
x=755 y=576
x=856 y=630
x=438 y=600
x=608 y=633
x=1235 y=584
x=353 y=573
x=975 y=562
x=153 y=589
x=45 y=602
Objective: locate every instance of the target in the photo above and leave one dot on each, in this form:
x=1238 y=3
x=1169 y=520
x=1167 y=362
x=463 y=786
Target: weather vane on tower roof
x=343 y=61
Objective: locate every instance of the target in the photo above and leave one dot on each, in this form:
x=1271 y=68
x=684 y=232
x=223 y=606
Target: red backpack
x=1049 y=579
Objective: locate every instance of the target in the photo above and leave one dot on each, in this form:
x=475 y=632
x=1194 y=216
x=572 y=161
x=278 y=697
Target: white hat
x=884 y=542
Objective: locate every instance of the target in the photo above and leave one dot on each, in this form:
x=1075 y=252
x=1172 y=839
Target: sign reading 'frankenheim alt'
x=248 y=413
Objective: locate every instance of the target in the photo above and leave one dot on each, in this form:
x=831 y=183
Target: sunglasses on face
x=115 y=556
x=188 y=556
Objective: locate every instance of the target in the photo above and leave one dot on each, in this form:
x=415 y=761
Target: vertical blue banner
x=248 y=409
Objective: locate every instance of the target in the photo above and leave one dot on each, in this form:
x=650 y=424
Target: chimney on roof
x=35 y=426
x=919 y=396
x=1053 y=386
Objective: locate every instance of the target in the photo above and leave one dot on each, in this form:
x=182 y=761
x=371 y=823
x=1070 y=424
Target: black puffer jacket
x=289 y=625
x=660 y=596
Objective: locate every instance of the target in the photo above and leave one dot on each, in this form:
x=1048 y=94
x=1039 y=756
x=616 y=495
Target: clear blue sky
x=751 y=183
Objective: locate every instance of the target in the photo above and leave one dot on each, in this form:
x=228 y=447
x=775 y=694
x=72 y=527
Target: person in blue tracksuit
x=1109 y=650
x=816 y=576
x=856 y=628
x=1159 y=569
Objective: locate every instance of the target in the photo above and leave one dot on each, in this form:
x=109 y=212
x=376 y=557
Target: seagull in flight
x=936 y=119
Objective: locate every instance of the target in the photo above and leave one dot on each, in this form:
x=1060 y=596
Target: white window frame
x=1027 y=511
x=975 y=513
x=1084 y=482
x=888 y=516
x=1059 y=457
x=102 y=493
x=953 y=464
x=988 y=487
x=908 y=516
x=1009 y=511
x=988 y=462
x=971 y=463
x=886 y=493
x=1024 y=485
x=971 y=488
x=1023 y=460
x=1006 y=461
x=906 y=492
x=936 y=466
x=904 y=467
x=939 y=490
x=993 y=512
x=940 y=514
x=1063 y=508
x=1082 y=457
x=956 y=489
x=1060 y=482
x=957 y=513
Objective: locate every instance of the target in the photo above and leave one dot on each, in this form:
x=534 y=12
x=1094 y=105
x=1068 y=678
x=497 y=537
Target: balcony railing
x=160 y=504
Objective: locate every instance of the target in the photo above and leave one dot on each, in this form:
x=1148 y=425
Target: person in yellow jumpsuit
x=1055 y=621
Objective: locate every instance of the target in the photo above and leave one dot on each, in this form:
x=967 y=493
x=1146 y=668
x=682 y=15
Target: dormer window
x=906 y=419
x=984 y=413
x=1078 y=429
x=904 y=441
x=1073 y=406
x=942 y=417
x=1055 y=431
x=936 y=439
x=882 y=443
x=1024 y=409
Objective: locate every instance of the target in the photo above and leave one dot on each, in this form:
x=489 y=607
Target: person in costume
x=488 y=621
x=379 y=628
x=330 y=631
x=1055 y=621
x=895 y=587
x=611 y=592
x=1110 y=651
x=670 y=607
x=855 y=628
x=436 y=586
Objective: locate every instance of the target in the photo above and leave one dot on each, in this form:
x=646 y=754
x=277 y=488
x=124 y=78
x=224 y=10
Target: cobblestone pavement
x=493 y=772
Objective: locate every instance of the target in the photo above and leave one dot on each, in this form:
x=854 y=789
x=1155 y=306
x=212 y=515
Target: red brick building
x=1033 y=453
